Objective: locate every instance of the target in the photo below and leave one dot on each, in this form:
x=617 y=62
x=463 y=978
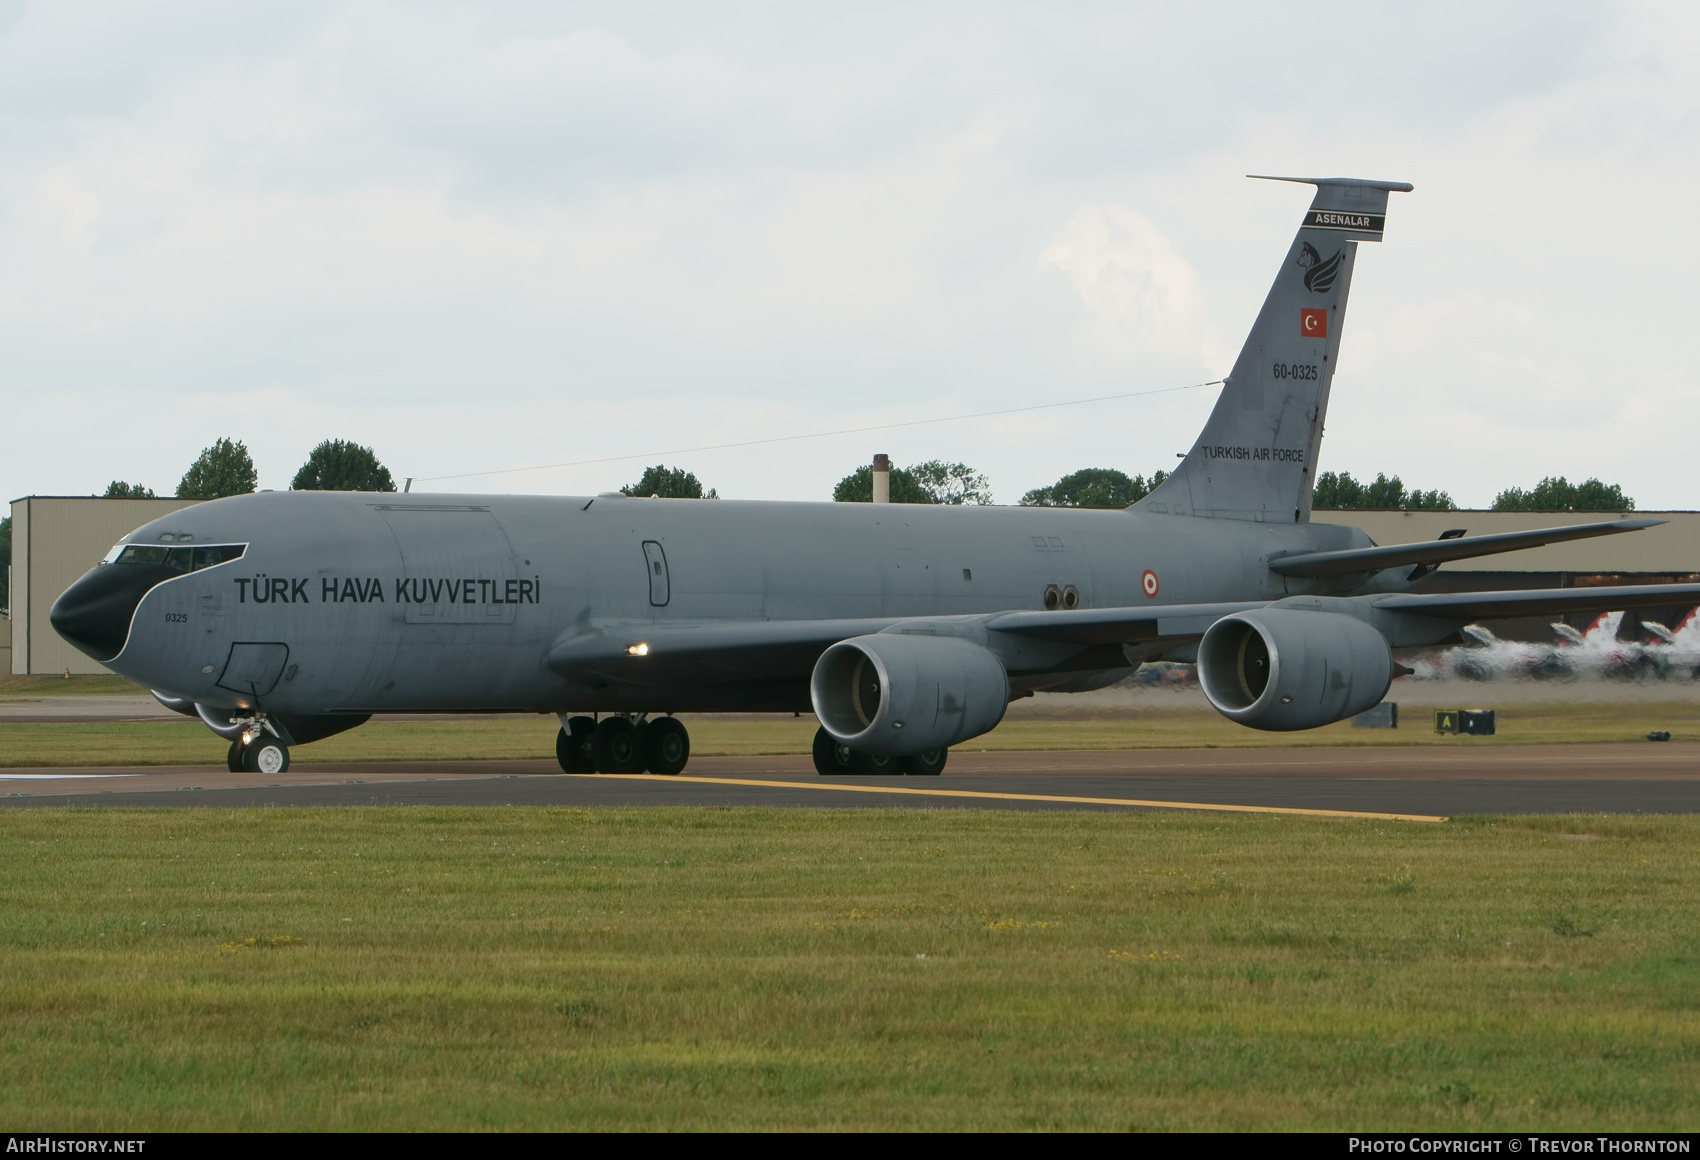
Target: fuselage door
x=457 y=566
x=655 y=561
x=253 y=668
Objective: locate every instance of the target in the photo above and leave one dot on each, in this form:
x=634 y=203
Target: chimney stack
x=882 y=479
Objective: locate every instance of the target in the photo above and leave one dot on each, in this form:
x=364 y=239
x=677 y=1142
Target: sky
x=480 y=237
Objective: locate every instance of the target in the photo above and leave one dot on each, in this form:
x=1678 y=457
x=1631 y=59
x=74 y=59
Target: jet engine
x=1286 y=668
x=897 y=695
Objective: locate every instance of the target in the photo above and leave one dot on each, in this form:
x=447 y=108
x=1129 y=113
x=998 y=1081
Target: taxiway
x=1422 y=782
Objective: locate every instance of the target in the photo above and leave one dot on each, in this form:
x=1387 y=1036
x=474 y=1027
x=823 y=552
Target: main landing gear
x=832 y=759
x=622 y=745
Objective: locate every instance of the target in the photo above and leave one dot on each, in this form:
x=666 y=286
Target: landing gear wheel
x=266 y=755
x=835 y=759
x=617 y=746
x=928 y=764
x=831 y=758
x=666 y=746
x=572 y=746
x=233 y=759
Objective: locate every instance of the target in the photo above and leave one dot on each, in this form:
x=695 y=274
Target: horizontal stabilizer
x=1539 y=601
x=1354 y=221
x=1439 y=551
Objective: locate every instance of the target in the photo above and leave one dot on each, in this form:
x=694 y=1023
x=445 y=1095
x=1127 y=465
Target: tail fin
x=1256 y=458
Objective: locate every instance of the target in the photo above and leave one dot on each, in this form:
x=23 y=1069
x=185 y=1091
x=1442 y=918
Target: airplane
x=280 y=618
x=1601 y=652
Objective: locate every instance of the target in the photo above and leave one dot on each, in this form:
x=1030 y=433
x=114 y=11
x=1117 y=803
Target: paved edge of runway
x=1061 y=799
x=1421 y=784
x=1325 y=799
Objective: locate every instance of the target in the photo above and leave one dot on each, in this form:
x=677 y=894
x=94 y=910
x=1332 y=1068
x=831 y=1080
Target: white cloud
x=493 y=235
x=1139 y=293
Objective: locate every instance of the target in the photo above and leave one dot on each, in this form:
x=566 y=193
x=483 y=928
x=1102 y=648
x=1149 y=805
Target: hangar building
x=55 y=539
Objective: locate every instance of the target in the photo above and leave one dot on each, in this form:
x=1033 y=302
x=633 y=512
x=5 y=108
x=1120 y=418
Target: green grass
x=768 y=969
x=30 y=688
x=187 y=742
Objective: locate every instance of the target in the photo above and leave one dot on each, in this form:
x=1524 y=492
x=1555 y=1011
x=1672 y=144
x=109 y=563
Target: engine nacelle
x=895 y=695
x=1285 y=668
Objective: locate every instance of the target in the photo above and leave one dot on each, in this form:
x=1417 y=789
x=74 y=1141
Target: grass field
x=186 y=742
x=692 y=968
x=28 y=688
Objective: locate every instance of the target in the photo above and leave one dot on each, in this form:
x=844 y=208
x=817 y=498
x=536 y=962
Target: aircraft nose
x=94 y=613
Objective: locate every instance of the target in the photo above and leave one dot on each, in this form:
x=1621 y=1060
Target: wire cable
x=819 y=434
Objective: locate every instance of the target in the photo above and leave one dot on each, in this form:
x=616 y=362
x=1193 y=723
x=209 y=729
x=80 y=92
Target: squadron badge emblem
x=1319 y=275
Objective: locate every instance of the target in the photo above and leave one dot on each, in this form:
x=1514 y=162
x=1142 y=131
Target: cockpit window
x=140 y=554
x=178 y=559
x=217 y=554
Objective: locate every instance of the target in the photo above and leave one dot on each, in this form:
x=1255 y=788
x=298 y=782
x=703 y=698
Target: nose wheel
x=264 y=755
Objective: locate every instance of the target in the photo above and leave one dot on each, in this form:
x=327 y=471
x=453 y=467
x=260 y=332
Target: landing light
x=640 y=649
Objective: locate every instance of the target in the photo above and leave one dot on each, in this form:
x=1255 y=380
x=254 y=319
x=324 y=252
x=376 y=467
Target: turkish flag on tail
x=1313 y=322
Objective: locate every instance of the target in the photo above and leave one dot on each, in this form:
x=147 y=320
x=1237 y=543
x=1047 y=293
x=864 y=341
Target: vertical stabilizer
x=1256 y=458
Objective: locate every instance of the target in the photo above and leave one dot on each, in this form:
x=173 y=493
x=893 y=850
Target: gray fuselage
x=413 y=603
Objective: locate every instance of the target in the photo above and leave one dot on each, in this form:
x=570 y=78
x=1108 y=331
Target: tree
x=952 y=483
x=340 y=465
x=5 y=561
x=934 y=481
x=1094 y=487
x=668 y=483
x=1560 y=495
x=858 y=487
x=118 y=489
x=1343 y=493
x=222 y=469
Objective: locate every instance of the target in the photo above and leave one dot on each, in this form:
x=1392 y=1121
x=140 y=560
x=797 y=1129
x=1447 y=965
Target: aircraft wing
x=780 y=650
x=1439 y=551
x=1090 y=626
x=711 y=653
x=1538 y=601
x=775 y=650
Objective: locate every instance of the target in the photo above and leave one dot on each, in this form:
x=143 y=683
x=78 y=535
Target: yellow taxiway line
x=1027 y=797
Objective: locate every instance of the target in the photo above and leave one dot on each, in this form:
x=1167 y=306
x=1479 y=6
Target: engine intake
x=896 y=695
x=1287 y=668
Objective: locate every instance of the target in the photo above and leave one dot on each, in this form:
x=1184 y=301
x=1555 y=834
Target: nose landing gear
x=256 y=744
x=261 y=755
